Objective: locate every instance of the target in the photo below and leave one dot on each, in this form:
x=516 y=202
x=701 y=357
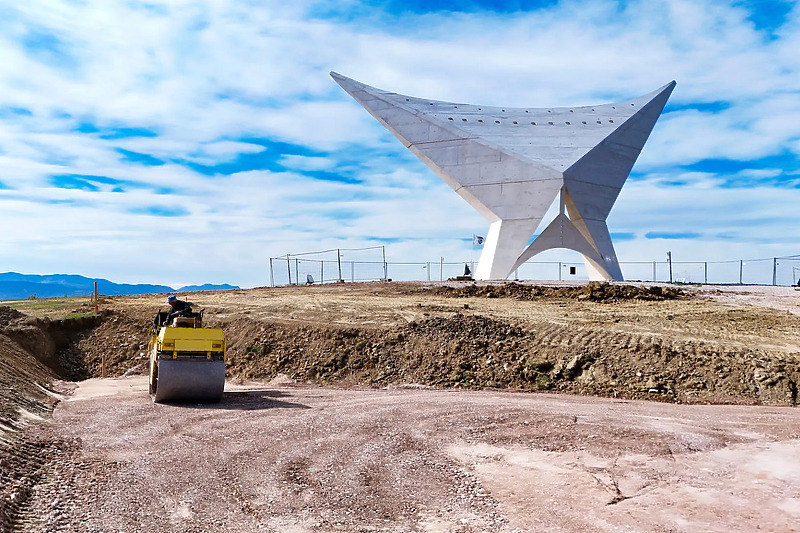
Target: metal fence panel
x=757 y=271
x=723 y=272
x=688 y=272
x=767 y=271
x=640 y=270
x=787 y=270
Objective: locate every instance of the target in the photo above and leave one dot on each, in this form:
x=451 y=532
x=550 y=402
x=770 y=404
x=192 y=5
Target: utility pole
x=774 y=270
x=385 y=266
x=669 y=260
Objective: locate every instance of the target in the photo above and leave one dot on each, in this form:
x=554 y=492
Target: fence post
x=774 y=270
x=289 y=268
x=705 y=272
x=669 y=260
x=352 y=271
x=385 y=266
x=741 y=267
x=441 y=268
x=297 y=270
x=559 y=271
x=339 y=262
x=428 y=269
x=322 y=272
x=271 y=275
x=654 y=271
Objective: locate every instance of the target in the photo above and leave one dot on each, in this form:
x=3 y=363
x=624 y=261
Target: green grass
x=42 y=303
x=65 y=307
x=78 y=315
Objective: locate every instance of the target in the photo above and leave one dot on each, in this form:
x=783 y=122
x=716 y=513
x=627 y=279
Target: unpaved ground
x=286 y=458
x=400 y=444
x=693 y=346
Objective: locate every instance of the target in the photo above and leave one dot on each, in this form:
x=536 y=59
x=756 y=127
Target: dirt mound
x=593 y=291
x=53 y=342
x=33 y=353
x=24 y=398
x=119 y=342
x=474 y=351
x=8 y=315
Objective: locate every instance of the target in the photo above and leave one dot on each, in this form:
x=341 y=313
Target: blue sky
x=185 y=141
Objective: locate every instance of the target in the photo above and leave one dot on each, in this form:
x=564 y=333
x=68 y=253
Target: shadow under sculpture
x=511 y=164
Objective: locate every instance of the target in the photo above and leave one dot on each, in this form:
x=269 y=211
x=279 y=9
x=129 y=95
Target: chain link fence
x=346 y=265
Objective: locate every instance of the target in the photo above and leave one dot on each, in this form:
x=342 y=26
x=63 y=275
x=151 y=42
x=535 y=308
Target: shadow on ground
x=251 y=400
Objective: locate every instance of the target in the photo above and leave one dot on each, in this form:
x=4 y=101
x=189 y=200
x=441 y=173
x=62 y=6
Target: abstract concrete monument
x=511 y=164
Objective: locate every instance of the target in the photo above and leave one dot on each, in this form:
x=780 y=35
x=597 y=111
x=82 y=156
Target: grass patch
x=78 y=315
x=64 y=307
x=41 y=303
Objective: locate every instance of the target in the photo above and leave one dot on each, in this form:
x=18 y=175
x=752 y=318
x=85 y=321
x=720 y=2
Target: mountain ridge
x=15 y=286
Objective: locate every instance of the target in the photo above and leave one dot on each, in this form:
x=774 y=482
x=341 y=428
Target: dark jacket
x=178 y=308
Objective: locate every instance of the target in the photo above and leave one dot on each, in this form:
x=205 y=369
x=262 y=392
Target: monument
x=511 y=164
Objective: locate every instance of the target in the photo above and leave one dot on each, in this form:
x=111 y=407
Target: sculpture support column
x=500 y=248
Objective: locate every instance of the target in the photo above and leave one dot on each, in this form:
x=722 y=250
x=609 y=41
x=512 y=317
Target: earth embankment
x=624 y=341
x=684 y=345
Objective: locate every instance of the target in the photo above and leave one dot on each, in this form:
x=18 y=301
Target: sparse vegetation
x=54 y=308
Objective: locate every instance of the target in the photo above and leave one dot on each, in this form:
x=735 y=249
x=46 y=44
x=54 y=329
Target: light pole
x=669 y=260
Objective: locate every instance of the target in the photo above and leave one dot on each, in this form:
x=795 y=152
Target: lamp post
x=669 y=261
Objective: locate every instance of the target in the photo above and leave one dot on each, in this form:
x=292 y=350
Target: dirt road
x=299 y=458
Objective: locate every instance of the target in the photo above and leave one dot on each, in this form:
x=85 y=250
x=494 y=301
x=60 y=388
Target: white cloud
x=300 y=162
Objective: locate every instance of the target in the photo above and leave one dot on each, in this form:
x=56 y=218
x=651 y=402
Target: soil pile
x=8 y=315
x=24 y=398
x=593 y=291
x=34 y=352
x=474 y=351
x=119 y=343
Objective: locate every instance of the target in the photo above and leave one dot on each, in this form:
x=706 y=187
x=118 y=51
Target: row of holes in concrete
x=533 y=123
x=503 y=110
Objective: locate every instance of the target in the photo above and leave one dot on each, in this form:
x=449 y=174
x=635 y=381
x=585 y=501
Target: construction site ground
x=448 y=407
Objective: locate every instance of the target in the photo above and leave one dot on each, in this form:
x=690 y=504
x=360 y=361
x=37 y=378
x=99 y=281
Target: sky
x=189 y=141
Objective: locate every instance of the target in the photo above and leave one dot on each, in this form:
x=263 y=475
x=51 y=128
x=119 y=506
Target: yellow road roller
x=187 y=360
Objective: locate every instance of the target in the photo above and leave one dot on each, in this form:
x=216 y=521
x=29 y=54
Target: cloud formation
x=187 y=141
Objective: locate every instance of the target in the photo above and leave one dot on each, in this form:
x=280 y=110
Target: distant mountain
x=207 y=287
x=14 y=286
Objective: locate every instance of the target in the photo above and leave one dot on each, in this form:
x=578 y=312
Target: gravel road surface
x=285 y=457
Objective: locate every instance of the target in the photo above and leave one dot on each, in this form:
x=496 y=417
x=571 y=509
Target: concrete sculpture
x=511 y=164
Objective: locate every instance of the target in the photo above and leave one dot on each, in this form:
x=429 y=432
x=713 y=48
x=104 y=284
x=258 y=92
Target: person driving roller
x=177 y=308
